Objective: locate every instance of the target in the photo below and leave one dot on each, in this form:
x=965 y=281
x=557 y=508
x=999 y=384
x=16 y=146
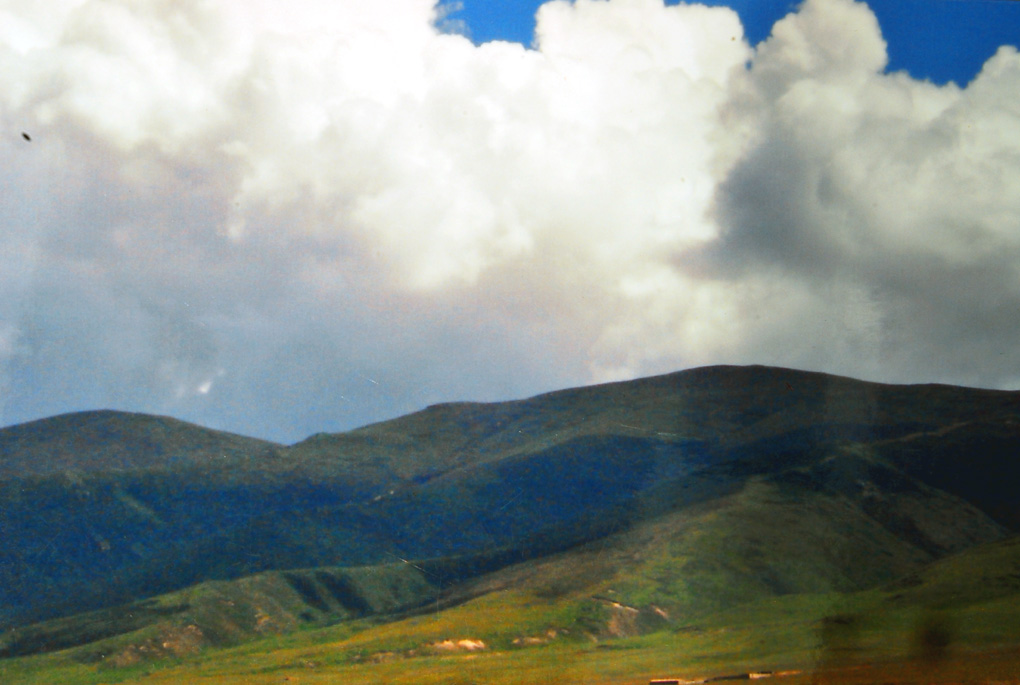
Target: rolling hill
x=97 y=441
x=626 y=509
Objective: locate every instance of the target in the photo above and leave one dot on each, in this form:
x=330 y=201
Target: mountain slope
x=777 y=535
x=725 y=407
x=219 y=613
x=794 y=532
x=532 y=637
x=108 y=440
x=474 y=487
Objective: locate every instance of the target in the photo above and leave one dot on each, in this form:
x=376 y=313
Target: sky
x=938 y=40
x=285 y=218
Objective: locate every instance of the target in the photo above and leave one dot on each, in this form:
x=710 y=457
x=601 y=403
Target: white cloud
x=861 y=181
x=9 y=347
x=238 y=211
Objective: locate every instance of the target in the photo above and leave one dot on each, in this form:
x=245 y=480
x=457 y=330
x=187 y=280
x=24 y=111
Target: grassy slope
x=988 y=447
x=83 y=541
x=220 y=613
x=106 y=440
x=772 y=540
x=75 y=504
x=777 y=535
x=722 y=406
x=466 y=477
x=957 y=621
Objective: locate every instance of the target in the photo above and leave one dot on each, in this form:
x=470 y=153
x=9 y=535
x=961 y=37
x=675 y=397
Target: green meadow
x=959 y=617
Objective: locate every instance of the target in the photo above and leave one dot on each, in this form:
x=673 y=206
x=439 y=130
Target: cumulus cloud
x=280 y=222
x=866 y=187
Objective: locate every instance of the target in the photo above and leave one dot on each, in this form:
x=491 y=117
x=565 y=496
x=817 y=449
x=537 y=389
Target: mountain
x=217 y=613
x=674 y=496
x=114 y=441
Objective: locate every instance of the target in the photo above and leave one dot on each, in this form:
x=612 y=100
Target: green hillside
x=219 y=613
x=559 y=621
x=615 y=512
x=724 y=407
x=771 y=539
x=97 y=441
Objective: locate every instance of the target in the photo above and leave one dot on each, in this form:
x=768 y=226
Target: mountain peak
x=105 y=439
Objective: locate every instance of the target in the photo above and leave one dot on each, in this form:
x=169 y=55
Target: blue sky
x=939 y=40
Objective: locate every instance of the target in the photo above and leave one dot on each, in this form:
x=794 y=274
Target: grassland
x=860 y=637
x=562 y=620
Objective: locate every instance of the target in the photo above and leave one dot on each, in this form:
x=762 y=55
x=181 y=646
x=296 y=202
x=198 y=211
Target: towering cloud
x=885 y=209
x=287 y=219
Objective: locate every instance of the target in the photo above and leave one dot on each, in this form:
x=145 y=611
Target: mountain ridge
x=463 y=490
x=128 y=440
